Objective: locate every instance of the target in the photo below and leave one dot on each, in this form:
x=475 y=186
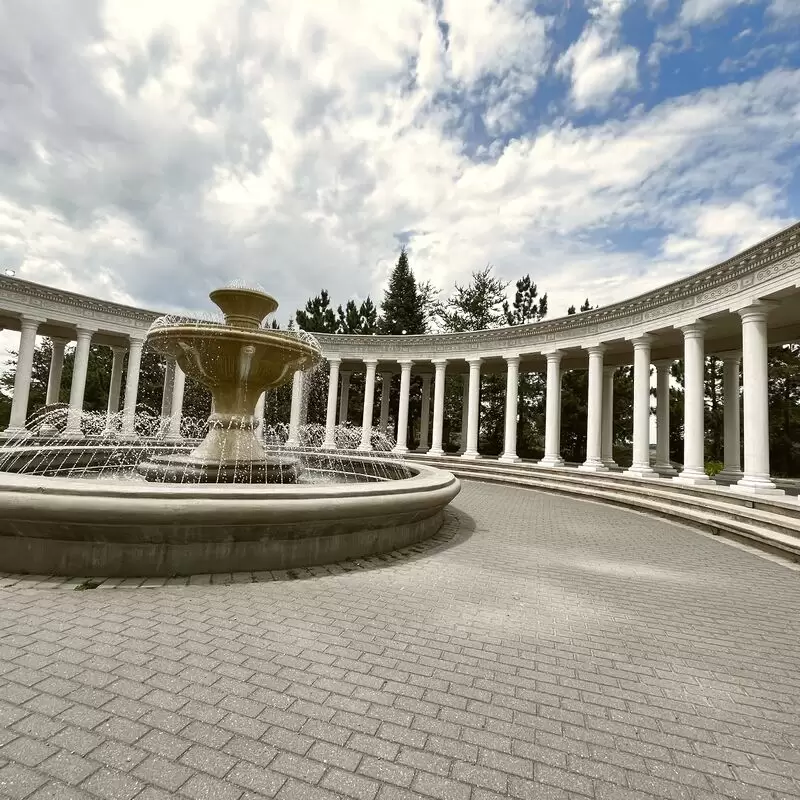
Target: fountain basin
x=119 y=528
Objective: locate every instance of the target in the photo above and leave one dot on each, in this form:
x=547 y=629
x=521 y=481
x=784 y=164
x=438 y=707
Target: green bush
x=713 y=467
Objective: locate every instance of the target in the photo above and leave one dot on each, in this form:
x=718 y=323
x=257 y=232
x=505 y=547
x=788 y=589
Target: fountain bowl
x=124 y=528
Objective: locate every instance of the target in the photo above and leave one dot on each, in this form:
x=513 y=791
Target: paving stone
x=538 y=648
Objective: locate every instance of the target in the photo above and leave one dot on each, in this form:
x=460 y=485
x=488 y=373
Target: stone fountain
x=236 y=360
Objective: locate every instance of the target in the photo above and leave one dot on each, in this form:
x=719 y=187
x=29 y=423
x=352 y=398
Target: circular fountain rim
x=423 y=478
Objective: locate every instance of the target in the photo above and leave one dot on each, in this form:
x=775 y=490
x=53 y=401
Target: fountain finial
x=243 y=308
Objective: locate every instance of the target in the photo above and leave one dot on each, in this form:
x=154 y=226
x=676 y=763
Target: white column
x=330 y=417
x=594 y=413
x=23 y=375
x=132 y=387
x=552 y=422
x=438 y=408
x=640 y=466
x=731 y=364
x=425 y=417
x=755 y=374
x=296 y=409
x=663 y=465
x=176 y=410
x=474 y=408
x=464 y=414
x=512 y=396
x=166 y=394
x=78 y=387
x=694 y=406
x=608 y=418
x=344 y=399
x=56 y=368
x=259 y=416
x=402 y=410
x=369 y=401
x=118 y=356
x=386 y=386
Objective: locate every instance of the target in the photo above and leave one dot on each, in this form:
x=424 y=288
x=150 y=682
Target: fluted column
x=464 y=414
x=176 y=409
x=731 y=365
x=344 y=399
x=640 y=466
x=369 y=401
x=22 y=377
x=509 y=455
x=663 y=465
x=132 y=387
x=78 y=387
x=56 y=368
x=402 y=410
x=694 y=406
x=425 y=416
x=118 y=357
x=474 y=410
x=552 y=423
x=594 y=413
x=438 y=407
x=166 y=394
x=330 y=417
x=608 y=418
x=296 y=410
x=755 y=375
x=386 y=393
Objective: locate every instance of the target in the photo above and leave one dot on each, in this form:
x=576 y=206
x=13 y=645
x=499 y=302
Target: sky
x=152 y=151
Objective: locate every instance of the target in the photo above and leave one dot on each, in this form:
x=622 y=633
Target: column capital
x=644 y=341
x=135 y=342
x=694 y=331
x=405 y=363
x=119 y=349
x=664 y=363
x=554 y=356
x=439 y=363
x=345 y=373
x=729 y=356
x=334 y=361
x=512 y=359
x=28 y=322
x=596 y=350
x=371 y=362
x=85 y=332
x=756 y=311
x=474 y=361
x=426 y=377
x=58 y=341
x=610 y=370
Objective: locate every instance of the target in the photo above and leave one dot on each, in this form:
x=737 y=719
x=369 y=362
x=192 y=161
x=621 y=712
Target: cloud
x=151 y=151
x=696 y=12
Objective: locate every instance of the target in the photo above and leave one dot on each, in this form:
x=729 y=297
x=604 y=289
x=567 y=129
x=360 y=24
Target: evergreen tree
x=477 y=306
x=317 y=316
x=361 y=319
x=525 y=307
x=402 y=309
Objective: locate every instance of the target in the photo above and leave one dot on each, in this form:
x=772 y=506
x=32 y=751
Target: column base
x=421 y=450
x=292 y=443
x=640 y=471
x=666 y=470
x=15 y=433
x=434 y=452
x=729 y=475
x=72 y=434
x=471 y=455
x=509 y=458
x=610 y=463
x=551 y=461
x=593 y=466
x=757 y=486
x=364 y=448
x=401 y=449
x=693 y=478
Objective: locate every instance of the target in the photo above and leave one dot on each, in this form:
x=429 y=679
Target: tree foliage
x=403 y=309
x=478 y=305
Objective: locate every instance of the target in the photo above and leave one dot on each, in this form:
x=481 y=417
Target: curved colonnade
x=734 y=310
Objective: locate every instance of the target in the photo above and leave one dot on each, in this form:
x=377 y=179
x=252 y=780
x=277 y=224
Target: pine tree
x=402 y=309
x=476 y=306
x=525 y=308
x=318 y=316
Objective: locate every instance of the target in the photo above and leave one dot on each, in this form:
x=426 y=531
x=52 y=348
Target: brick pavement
x=542 y=648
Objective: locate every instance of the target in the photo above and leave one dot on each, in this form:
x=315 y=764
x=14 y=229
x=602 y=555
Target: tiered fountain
x=237 y=361
x=229 y=504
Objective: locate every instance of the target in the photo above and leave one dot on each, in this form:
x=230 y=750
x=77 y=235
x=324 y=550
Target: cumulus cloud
x=150 y=151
